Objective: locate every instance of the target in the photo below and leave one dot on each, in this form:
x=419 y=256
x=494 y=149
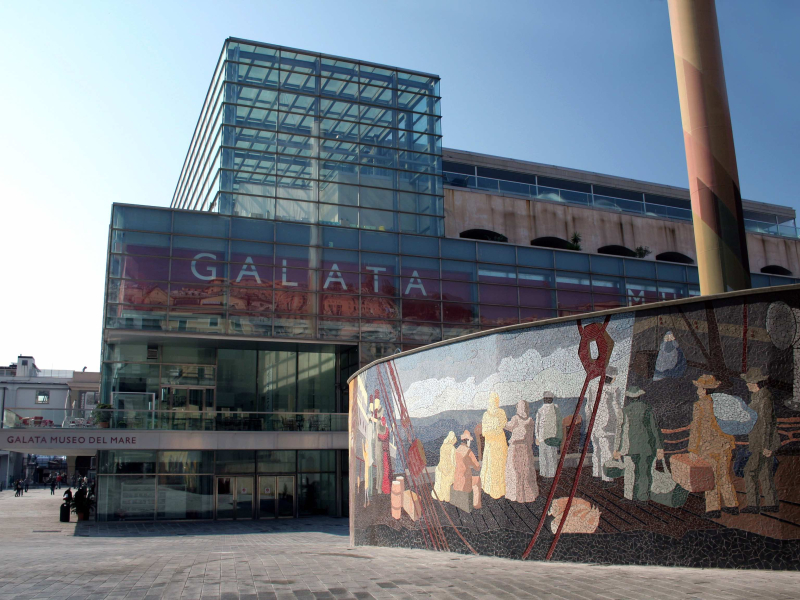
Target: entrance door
x=276 y=496
x=234 y=497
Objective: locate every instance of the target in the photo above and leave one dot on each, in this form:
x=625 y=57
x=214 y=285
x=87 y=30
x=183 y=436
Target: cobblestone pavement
x=307 y=558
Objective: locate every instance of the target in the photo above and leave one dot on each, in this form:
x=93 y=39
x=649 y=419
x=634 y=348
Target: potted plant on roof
x=102 y=415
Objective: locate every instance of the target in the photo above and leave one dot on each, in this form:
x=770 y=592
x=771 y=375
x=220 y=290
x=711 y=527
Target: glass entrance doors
x=234 y=497
x=276 y=496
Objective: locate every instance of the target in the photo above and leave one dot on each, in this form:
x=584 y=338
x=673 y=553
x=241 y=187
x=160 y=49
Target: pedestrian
x=68 y=496
x=27 y=482
x=762 y=442
x=710 y=443
x=548 y=435
x=58 y=481
x=19 y=488
x=52 y=486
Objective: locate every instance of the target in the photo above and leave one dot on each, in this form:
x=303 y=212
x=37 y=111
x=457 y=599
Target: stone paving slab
x=306 y=559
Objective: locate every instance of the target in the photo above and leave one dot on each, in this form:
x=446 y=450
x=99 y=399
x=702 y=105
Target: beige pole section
x=710 y=156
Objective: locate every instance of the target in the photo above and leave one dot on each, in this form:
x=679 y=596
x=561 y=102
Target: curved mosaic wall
x=665 y=435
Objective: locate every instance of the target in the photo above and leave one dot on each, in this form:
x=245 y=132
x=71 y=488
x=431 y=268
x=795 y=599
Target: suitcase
x=65 y=513
x=692 y=474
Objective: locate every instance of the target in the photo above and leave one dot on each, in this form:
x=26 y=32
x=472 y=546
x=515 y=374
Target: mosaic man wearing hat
x=640 y=441
x=710 y=443
x=762 y=442
x=547 y=432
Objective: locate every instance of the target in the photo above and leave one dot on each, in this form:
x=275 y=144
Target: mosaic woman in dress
x=493 y=469
x=520 y=472
x=446 y=469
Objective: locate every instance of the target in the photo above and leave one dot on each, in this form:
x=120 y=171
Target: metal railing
x=174 y=420
x=540 y=192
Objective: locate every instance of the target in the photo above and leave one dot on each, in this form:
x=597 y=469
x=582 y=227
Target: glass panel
x=498 y=316
x=139 y=267
x=535 y=257
x=186 y=461
x=277 y=381
x=256 y=325
x=576 y=301
x=465 y=271
x=225 y=487
x=126 y=498
x=236 y=380
x=498 y=294
x=339 y=238
x=146 y=219
x=537 y=297
x=317 y=494
x=671 y=272
x=316 y=381
x=196 y=223
x=235 y=461
x=421 y=246
x=267 y=494
x=115 y=462
x=185 y=497
x=285 y=489
x=424 y=333
x=379 y=242
x=496 y=253
x=244 y=497
x=460 y=292
x=380 y=330
x=251 y=229
x=277 y=461
x=137 y=292
x=572 y=261
x=315 y=461
x=420 y=310
x=527 y=315
x=640 y=268
x=640 y=292
x=134 y=242
x=459 y=313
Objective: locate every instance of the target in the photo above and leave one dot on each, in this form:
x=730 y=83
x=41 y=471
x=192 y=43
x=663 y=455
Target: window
x=42 y=397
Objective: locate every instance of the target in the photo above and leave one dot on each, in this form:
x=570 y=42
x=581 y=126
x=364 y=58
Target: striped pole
x=710 y=156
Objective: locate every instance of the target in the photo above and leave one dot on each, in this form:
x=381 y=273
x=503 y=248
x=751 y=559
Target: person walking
x=714 y=446
x=27 y=481
x=18 y=489
x=548 y=435
x=68 y=496
x=762 y=441
x=53 y=486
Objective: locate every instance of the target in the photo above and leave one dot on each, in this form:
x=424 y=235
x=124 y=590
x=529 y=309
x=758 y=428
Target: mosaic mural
x=668 y=435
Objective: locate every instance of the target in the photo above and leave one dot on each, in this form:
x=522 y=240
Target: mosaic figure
x=548 y=435
x=369 y=455
x=377 y=445
x=465 y=484
x=446 y=469
x=670 y=361
x=763 y=441
x=710 y=443
x=640 y=441
x=520 y=470
x=493 y=469
x=386 y=461
x=606 y=420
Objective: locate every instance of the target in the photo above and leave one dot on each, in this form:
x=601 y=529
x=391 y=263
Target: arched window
x=675 y=257
x=775 y=270
x=616 y=250
x=483 y=234
x=552 y=242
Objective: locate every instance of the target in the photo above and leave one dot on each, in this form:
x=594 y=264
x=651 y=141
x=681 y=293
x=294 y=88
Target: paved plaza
x=306 y=558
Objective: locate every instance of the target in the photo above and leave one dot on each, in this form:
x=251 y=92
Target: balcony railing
x=540 y=192
x=174 y=420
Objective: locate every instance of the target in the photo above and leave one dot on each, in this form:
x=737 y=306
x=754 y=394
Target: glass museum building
x=317 y=225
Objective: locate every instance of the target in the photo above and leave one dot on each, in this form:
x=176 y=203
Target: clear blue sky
x=99 y=102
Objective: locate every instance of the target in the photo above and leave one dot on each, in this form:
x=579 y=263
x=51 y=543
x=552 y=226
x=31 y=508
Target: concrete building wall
x=700 y=399
x=522 y=220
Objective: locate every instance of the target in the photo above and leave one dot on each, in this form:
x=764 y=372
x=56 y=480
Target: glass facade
x=298 y=136
x=138 y=485
x=254 y=278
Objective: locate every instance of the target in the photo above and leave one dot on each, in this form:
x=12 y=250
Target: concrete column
x=710 y=156
x=70 y=469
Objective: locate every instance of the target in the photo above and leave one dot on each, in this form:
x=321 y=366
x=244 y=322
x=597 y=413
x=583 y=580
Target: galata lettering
x=67 y=440
x=248 y=271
